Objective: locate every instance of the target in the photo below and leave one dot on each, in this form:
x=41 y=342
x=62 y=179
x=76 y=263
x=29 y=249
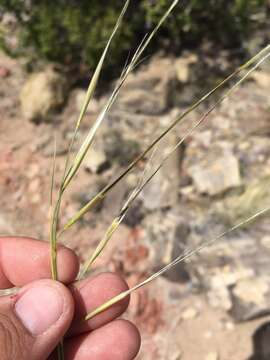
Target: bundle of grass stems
x=73 y=163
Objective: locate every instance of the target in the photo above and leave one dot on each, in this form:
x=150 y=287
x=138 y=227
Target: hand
x=35 y=319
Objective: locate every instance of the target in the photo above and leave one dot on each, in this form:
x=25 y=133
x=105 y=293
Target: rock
x=253 y=291
x=229 y=276
x=94 y=161
x=33 y=170
x=164 y=345
x=34 y=189
x=255 y=43
x=251 y=298
x=183 y=65
x=167 y=236
x=261 y=345
x=4 y=72
x=115 y=200
x=8 y=19
x=135 y=215
x=212 y=356
x=87 y=194
x=220 y=298
x=93 y=106
x=179 y=273
x=265 y=241
x=45 y=144
x=172 y=344
x=118 y=149
x=42 y=94
x=154 y=194
x=215 y=175
x=5 y=226
x=159 y=234
x=189 y=313
x=34 y=185
x=163 y=190
x=262 y=78
x=253 y=199
x=149 y=90
x=228 y=325
x=220 y=283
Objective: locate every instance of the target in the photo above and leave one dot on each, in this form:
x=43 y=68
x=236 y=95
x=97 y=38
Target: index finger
x=23 y=260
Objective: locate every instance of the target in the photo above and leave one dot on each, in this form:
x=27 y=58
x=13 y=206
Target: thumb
x=33 y=321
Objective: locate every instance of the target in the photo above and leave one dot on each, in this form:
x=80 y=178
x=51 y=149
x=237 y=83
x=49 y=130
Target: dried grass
x=72 y=169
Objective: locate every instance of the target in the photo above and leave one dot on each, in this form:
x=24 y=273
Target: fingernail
x=39 y=308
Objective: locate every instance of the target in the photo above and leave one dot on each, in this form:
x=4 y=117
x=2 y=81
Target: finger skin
x=118 y=340
x=23 y=260
x=4 y=282
x=89 y=294
x=16 y=341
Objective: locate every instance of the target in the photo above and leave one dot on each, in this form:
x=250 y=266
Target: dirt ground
x=175 y=322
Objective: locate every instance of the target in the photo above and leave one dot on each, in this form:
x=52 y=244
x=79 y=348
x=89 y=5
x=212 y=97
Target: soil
x=25 y=173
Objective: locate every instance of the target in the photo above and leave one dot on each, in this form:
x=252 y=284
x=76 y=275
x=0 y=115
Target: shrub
x=64 y=32
x=224 y=21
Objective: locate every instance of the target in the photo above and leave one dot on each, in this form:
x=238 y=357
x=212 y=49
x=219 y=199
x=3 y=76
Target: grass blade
x=176 y=261
x=68 y=175
x=53 y=174
x=104 y=241
x=113 y=226
x=133 y=63
x=94 y=80
x=153 y=33
x=53 y=239
x=116 y=222
x=261 y=56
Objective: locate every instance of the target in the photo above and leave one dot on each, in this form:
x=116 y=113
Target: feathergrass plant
x=72 y=165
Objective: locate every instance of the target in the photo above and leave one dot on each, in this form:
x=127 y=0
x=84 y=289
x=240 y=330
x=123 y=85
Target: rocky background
x=214 y=306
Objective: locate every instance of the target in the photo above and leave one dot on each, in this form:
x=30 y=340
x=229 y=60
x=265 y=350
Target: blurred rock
x=189 y=313
x=94 y=161
x=154 y=195
x=216 y=174
x=222 y=280
x=262 y=78
x=118 y=149
x=8 y=19
x=42 y=94
x=212 y=356
x=229 y=325
x=6 y=227
x=265 y=241
x=253 y=199
x=166 y=236
x=179 y=272
x=4 y=72
x=261 y=344
x=163 y=190
x=93 y=106
x=149 y=91
x=251 y=298
x=87 y=194
x=115 y=200
x=33 y=170
x=183 y=66
x=159 y=236
x=219 y=297
x=255 y=43
x=46 y=145
x=34 y=185
x=135 y=215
